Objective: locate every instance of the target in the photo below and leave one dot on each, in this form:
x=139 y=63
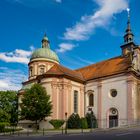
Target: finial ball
x=128 y=10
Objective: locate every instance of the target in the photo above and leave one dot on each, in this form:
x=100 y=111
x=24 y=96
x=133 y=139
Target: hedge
x=2 y=126
x=56 y=123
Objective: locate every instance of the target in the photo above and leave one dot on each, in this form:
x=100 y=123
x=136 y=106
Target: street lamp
x=66 y=122
x=91 y=119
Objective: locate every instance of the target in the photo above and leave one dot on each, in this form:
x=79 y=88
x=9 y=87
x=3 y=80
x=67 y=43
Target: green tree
x=91 y=120
x=84 y=124
x=36 y=104
x=4 y=116
x=14 y=111
x=8 y=106
x=74 y=121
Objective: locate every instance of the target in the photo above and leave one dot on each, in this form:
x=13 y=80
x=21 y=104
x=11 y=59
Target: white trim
x=45 y=59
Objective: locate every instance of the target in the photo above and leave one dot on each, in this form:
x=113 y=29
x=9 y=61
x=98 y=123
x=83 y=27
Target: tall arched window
x=41 y=69
x=31 y=71
x=75 y=101
x=91 y=99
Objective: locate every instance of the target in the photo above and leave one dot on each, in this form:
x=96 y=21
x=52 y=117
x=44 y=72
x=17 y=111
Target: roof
x=45 y=53
x=105 y=68
x=27 y=86
x=116 y=65
x=59 y=70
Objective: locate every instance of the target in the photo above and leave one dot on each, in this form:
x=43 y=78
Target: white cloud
x=23 y=53
x=3 y=85
x=84 y=60
x=11 y=79
x=17 y=56
x=63 y=47
x=17 y=59
x=101 y=18
x=34 y=3
x=59 y=1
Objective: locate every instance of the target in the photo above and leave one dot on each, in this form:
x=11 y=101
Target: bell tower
x=128 y=37
x=129 y=44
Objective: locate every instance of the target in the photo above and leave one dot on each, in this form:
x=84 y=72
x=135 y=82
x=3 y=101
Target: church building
x=110 y=88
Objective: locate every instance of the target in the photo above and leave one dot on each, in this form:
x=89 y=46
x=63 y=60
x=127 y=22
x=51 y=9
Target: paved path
x=117 y=134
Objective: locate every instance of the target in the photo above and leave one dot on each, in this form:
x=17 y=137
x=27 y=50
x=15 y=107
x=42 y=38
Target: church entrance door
x=113 y=118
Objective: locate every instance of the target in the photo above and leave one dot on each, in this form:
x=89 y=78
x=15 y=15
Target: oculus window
x=113 y=92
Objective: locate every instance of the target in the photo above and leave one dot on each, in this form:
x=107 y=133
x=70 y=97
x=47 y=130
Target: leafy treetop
x=36 y=104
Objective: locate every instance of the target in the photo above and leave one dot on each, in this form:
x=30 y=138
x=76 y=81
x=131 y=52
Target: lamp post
x=91 y=120
x=66 y=122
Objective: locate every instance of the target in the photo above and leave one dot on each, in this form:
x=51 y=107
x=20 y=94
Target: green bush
x=74 y=121
x=84 y=124
x=91 y=120
x=12 y=129
x=56 y=123
x=2 y=126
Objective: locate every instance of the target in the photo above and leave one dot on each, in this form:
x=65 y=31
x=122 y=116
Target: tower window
x=91 y=100
x=31 y=71
x=75 y=101
x=42 y=70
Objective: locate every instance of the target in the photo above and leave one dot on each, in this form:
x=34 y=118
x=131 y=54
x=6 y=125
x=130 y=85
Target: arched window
x=75 y=101
x=41 y=69
x=91 y=99
x=31 y=71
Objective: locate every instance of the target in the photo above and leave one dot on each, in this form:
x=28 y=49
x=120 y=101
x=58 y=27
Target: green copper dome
x=45 y=52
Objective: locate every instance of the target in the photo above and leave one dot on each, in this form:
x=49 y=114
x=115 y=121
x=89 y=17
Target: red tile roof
x=105 y=68
x=59 y=70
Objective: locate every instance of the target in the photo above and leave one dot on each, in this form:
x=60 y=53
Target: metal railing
x=121 y=123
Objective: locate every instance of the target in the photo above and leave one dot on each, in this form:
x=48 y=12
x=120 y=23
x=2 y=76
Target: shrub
x=56 y=123
x=91 y=120
x=74 y=121
x=84 y=124
x=2 y=126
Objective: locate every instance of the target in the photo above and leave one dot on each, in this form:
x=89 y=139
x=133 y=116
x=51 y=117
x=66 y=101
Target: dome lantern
x=44 y=53
x=45 y=42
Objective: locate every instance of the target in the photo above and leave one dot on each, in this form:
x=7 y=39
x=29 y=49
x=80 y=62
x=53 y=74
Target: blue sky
x=82 y=32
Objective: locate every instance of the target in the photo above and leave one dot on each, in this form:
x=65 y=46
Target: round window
x=113 y=93
x=114 y=111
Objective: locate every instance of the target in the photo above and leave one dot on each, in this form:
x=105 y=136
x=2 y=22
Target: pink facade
x=62 y=98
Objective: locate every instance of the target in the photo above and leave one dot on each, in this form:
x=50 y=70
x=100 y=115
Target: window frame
x=91 y=100
x=75 y=101
x=31 y=71
x=41 y=67
x=111 y=93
